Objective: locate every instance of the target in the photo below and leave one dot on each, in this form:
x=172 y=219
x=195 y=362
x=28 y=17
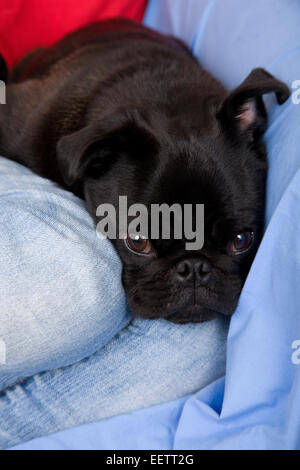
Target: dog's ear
x=92 y=150
x=243 y=112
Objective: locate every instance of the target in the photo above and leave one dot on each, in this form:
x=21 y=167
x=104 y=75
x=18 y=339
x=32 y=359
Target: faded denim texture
x=63 y=315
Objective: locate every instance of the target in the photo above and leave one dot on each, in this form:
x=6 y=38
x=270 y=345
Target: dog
x=115 y=108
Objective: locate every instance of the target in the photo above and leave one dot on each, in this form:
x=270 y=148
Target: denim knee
x=61 y=293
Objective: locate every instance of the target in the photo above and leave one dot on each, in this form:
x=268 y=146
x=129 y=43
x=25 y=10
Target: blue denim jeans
x=70 y=351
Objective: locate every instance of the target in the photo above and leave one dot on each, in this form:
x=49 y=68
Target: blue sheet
x=257 y=404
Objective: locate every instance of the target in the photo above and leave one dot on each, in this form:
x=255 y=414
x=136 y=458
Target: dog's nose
x=190 y=269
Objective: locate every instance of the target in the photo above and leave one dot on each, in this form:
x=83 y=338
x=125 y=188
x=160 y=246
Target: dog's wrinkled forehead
x=206 y=169
x=212 y=133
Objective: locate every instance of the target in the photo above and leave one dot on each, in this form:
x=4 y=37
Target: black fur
x=3 y=69
x=117 y=109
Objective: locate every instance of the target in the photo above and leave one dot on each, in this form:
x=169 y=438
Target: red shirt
x=27 y=24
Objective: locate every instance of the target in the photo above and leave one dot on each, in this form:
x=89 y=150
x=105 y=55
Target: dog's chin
x=192 y=314
x=190 y=310
x=187 y=314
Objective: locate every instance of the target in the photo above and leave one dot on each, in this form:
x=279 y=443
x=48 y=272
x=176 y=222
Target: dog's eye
x=139 y=245
x=241 y=243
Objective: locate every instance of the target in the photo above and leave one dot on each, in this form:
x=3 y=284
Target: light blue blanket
x=257 y=404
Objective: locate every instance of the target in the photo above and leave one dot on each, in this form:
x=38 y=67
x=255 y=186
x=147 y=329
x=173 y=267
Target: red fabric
x=27 y=24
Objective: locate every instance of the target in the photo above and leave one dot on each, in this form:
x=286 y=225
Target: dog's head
x=209 y=151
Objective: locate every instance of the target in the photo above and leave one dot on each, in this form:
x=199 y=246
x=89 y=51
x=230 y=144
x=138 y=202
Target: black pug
x=117 y=109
